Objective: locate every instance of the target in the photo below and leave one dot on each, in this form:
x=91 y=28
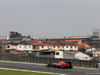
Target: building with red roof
x=34 y=41
x=55 y=45
x=83 y=45
x=70 y=46
x=73 y=41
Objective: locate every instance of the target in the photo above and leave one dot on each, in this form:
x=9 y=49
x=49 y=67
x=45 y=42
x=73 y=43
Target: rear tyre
x=71 y=67
x=52 y=66
x=48 y=65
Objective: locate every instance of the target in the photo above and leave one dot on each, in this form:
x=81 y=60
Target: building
x=91 y=49
x=83 y=39
x=74 y=41
x=40 y=46
x=54 y=45
x=96 y=53
x=83 y=46
x=70 y=46
x=96 y=42
x=72 y=55
x=34 y=41
x=21 y=46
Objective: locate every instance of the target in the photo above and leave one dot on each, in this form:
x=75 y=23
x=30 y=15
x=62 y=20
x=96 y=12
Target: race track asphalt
x=37 y=67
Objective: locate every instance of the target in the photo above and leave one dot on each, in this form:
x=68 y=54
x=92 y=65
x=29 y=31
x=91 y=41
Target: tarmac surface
x=39 y=67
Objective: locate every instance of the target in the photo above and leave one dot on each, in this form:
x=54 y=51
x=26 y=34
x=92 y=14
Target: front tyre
x=62 y=66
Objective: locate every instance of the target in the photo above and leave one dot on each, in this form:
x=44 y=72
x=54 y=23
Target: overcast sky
x=50 y=18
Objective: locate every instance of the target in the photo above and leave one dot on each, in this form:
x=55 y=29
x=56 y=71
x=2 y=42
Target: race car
x=60 y=65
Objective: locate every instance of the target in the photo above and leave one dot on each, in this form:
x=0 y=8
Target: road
x=37 y=67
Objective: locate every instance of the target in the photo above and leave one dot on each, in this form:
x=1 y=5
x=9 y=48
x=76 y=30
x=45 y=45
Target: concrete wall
x=67 y=55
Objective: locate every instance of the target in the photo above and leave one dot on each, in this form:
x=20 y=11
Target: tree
x=82 y=50
x=15 y=34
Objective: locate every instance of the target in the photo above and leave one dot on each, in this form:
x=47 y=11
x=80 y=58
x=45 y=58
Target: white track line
x=32 y=71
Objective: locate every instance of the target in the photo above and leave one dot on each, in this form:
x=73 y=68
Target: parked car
x=60 y=65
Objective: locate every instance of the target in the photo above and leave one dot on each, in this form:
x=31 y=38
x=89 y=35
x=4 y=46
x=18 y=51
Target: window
x=62 y=46
x=42 y=46
x=58 y=46
x=0 y=47
x=8 y=46
x=33 y=46
x=29 y=46
x=57 y=53
x=87 y=39
x=86 y=57
x=71 y=46
x=20 y=46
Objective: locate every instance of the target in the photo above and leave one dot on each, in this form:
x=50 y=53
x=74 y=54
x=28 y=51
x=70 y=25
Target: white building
x=82 y=56
x=72 y=55
x=23 y=47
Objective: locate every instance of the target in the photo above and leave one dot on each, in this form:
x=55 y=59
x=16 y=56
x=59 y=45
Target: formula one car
x=60 y=65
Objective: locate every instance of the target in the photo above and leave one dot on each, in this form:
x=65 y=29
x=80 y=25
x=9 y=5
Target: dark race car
x=60 y=65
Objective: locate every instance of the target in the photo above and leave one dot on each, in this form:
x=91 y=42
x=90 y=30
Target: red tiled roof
x=2 y=41
x=33 y=41
x=70 y=44
x=36 y=40
x=29 y=42
x=40 y=44
x=53 y=43
x=83 y=45
x=72 y=41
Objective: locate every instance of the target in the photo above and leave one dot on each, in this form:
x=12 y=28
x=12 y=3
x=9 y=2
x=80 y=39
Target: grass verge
x=16 y=72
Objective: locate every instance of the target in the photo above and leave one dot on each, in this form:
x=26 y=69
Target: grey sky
x=51 y=18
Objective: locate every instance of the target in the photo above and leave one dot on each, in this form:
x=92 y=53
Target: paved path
x=37 y=67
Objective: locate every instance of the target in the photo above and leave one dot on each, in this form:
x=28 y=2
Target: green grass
x=12 y=72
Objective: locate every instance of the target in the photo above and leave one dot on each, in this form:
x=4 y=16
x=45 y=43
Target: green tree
x=15 y=34
x=82 y=50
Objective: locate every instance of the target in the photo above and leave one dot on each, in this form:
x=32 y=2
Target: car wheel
x=62 y=66
x=52 y=66
x=49 y=65
x=70 y=67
